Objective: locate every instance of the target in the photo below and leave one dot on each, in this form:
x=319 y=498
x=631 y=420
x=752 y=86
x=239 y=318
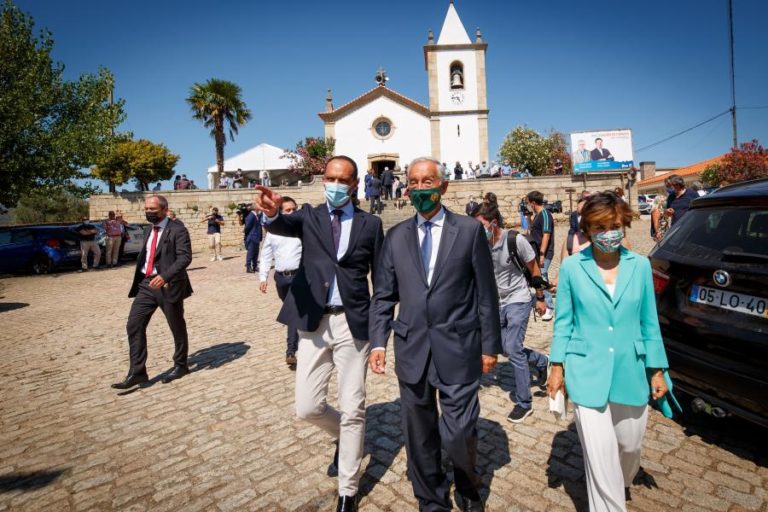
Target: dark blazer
x=304 y=305
x=172 y=257
x=573 y=222
x=456 y=318
x=597 y=154
x=470 y=207
x=387 y=177
x=374 y=188
x=252 y=231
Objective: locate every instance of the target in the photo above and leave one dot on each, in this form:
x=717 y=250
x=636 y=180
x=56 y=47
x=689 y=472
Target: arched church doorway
x=379 y=162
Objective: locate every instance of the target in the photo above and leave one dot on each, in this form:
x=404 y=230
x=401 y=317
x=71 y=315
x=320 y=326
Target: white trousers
x=320 y=351
x=611 y=439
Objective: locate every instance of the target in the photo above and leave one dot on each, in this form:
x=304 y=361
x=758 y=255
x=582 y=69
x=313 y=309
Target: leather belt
x=334 y=310
x=287 y=273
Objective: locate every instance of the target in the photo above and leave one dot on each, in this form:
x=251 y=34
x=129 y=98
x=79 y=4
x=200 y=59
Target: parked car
x=136 y=241
x=39 y=249
x=554 y=207
x=710 y=274
x=644 y=207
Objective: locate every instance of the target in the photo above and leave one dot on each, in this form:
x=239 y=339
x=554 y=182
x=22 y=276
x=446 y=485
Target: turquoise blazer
x=606 y=343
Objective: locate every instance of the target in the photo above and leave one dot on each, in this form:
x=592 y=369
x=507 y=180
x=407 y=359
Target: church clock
x=457 y=97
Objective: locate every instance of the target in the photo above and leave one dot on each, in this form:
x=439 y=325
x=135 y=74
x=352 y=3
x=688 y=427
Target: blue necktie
x=426 y=248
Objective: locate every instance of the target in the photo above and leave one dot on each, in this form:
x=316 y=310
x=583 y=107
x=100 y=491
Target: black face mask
x=153 y=217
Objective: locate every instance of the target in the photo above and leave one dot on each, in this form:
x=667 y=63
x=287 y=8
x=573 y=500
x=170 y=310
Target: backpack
x=515 y=257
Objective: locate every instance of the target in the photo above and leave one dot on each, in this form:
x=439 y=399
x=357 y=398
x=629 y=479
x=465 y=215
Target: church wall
x=410 y=137
x=464 y=147
x=469 y=60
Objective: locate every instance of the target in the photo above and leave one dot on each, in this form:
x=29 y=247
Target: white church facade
x=384 y=128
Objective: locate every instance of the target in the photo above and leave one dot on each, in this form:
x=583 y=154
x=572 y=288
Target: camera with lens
x=242 y=211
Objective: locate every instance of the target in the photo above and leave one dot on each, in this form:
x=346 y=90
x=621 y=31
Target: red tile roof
x=369 y=96
x=683 y=171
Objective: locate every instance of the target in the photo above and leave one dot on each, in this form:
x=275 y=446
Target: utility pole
x=733 y=74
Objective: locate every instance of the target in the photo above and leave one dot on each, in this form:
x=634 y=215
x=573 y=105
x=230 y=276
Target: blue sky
x=654 y=66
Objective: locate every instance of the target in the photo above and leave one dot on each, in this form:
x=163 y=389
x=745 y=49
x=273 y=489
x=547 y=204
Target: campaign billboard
x=601 y=150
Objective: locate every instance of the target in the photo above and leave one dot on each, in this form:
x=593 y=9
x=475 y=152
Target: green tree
x=50 y=128
x=218 y=104
x=311 y=155
x=709 y=176
x=142 y=160
x=525 y=148
x=57 y=205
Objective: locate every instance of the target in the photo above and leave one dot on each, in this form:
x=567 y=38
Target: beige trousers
x=214 y=242
x=113 y=249
x=331 y=347
x=611 y=439
x=87 y=246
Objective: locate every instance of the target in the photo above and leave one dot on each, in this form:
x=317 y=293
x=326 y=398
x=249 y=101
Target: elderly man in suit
x=328 y=303
x=582 y=154
x=160 y=281
x=438 y=266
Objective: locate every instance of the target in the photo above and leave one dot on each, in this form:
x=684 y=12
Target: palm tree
x=217 y=103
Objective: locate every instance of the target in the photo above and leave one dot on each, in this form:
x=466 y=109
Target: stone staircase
x=391 y=215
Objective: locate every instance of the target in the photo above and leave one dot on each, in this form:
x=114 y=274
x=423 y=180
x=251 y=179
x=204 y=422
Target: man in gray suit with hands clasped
x=438 y=266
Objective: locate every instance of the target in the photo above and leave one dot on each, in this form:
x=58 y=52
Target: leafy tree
x=709 y=175
x=311 y=155
x=525 y=148
x=50 y=128
x=142 y=160
x=57 y=205
x=217 y=103
x=748 y=162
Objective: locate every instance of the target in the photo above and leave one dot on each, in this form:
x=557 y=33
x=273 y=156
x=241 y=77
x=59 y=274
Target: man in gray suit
x=438 y=266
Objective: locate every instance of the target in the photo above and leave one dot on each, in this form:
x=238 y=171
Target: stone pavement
x=225 y=438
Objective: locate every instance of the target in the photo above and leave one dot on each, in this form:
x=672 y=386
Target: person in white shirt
x=285 y=251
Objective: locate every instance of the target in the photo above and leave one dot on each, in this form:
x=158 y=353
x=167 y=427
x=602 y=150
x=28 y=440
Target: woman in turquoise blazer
x=607 y=346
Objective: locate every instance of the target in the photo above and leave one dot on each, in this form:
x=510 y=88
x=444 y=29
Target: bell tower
x=457 y=93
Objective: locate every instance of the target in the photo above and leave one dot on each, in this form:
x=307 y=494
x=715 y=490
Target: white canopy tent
x=264 y=157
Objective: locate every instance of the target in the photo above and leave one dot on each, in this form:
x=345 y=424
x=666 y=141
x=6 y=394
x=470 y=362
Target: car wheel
x=41 y=264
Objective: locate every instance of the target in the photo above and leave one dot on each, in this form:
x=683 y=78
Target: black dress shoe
x=131 y=380
x=333 y=467
x=177 y=373
x=347 y=504
x=468 y=505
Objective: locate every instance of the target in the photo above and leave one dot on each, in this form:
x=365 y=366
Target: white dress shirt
x=163 y=224
x=285 y=250
x=334 y=297
x=437 y=232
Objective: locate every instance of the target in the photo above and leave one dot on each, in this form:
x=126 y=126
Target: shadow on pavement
x=204 y=359
x=492 y=452
x=28 y=481
x=383 y=440
x=10 y=306
x=565 y=467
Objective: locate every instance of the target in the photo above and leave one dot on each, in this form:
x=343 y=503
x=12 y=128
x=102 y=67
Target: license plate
x=747 y=304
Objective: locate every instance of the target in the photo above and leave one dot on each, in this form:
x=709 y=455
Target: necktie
x=426 y=248
x=152 y=248
x=336 y=228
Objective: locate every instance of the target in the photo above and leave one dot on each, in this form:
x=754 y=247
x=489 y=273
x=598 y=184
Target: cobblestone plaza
x=225 y=438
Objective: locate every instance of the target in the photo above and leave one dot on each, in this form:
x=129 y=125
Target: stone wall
x=191 y=206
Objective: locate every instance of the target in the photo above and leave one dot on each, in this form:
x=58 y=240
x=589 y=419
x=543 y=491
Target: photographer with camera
x=516 y=271
x=215 y=221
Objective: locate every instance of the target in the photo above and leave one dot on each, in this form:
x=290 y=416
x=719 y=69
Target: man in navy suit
x=438 y=266
x=328 y=303
x=600 y=153
x=252 y=235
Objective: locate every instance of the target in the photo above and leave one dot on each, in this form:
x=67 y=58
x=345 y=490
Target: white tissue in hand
x=558 y=406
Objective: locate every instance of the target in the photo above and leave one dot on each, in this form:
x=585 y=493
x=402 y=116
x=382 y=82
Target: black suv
x=710 y=273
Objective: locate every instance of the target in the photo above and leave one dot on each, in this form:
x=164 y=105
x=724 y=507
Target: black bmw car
x=710 y=274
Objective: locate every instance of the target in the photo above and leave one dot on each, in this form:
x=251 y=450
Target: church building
x=382 y=128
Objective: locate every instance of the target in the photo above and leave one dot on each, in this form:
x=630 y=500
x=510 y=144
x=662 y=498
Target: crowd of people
x=464 y=288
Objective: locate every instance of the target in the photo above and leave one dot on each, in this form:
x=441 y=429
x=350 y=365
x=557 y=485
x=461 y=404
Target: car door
x=16 y=249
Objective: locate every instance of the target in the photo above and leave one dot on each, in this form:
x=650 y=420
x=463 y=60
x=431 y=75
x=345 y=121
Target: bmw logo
x=721 y=278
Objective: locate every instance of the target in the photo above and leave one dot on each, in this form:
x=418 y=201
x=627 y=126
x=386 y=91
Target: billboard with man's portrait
x=603 y=150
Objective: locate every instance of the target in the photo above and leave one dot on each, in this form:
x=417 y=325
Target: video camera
x=242 y=211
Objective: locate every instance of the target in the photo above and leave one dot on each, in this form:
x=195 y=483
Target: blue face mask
x=670 y=190
x=608 y=241
x=337 y=194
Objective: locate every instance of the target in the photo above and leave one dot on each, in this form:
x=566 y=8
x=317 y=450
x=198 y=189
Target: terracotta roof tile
x=371 y=95
x=683 y=171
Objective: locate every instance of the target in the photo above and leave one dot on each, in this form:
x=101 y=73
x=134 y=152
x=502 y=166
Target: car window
x=706 y=233
x=22 y=236
x=5 y=237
